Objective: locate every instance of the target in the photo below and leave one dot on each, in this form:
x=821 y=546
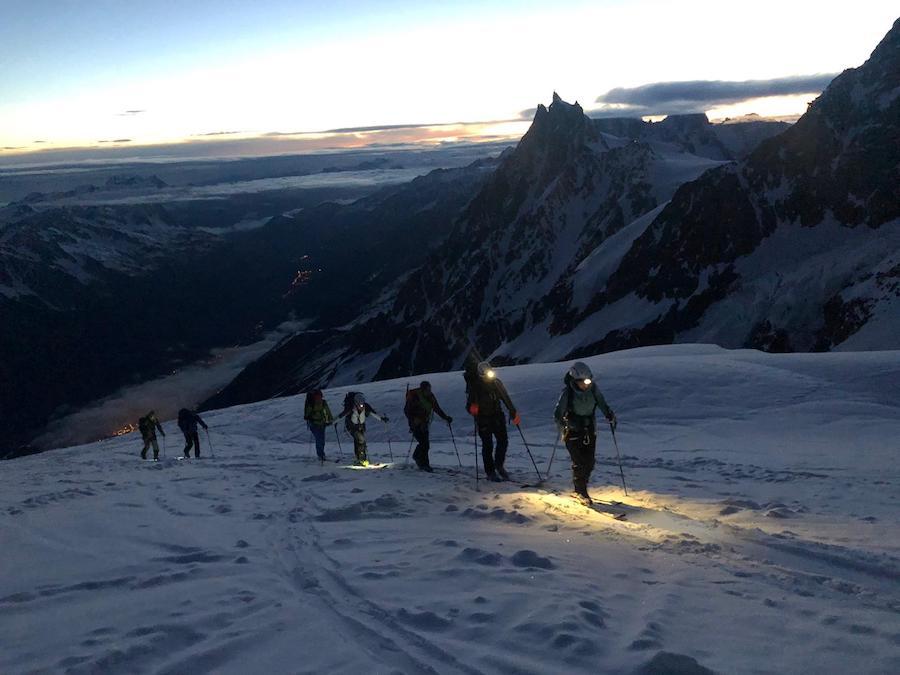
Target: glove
x=613 y=422
x=449 y=420
x=473 y=409
x=385 y=419
x=515 y=419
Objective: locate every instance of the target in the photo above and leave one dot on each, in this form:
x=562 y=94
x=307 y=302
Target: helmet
x=359 y=399
x=425 y=384
x=485 y=372
x=580 y=372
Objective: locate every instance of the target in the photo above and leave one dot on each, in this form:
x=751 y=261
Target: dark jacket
x=420 y=408
x=148 y=426
x=488 y=394
x=575 y=409
x=188 y=421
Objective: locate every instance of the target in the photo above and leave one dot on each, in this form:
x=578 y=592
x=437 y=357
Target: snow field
x=761 y=536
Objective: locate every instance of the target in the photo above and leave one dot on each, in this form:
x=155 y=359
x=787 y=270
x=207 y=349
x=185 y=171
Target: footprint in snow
x=665 y=663
x=423 y=620
x=480 y=557
x=319 y=477
x=529 y=559
x=499 y=514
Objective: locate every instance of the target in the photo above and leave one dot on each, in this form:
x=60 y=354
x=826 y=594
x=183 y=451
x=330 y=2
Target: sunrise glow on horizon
x=98 y=74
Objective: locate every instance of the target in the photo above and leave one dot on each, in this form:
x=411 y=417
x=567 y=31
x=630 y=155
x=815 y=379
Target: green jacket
x=420 y=407
x=318 y=414
x=148 y=426
x=575 y=409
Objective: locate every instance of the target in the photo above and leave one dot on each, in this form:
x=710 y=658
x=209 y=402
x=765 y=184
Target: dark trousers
x=488 y=429
x=359 y=444
x=191 y=438
x=582 y=447
x=148 y=441
x=420 y=454
x=318 y=432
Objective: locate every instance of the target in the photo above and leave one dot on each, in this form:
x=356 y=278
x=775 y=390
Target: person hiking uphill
x=575 y=416
x=148 y=425
x=318 y=417
x=187 y=422
x=484 y=393
x=421 y=406
x=355 y=412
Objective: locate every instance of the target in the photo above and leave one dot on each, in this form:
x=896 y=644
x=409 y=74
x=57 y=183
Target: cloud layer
x=672 y=98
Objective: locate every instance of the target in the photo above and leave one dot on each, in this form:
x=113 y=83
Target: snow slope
x=762 y=536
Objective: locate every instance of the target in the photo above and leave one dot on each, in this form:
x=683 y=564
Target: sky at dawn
x=277 y=76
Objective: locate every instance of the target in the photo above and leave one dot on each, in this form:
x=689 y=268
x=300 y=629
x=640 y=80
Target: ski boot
x=502 y=473
x=493 y=477
x=583 y=497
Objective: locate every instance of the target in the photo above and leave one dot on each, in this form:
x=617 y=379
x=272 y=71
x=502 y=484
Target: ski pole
x=338 y=437
x=453 y=438
x=164 y=446
x=409 y=450
x=540 y=478
x=390 y=445
x=475 y=436
x=618 y=457
x=553 y=454
x=212 y=452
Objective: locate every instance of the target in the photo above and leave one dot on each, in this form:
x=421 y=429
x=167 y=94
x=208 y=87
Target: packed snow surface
x=761 y=535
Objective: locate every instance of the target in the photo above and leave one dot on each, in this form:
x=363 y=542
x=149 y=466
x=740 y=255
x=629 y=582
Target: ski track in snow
x=747 y=548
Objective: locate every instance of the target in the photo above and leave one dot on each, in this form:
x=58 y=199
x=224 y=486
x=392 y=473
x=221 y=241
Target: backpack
x=310 y=400
x=144 y=426
x=574 y=421
x=413 y=405
x=348 y=399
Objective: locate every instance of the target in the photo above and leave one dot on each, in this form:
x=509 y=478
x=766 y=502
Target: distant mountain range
x=597 y=235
